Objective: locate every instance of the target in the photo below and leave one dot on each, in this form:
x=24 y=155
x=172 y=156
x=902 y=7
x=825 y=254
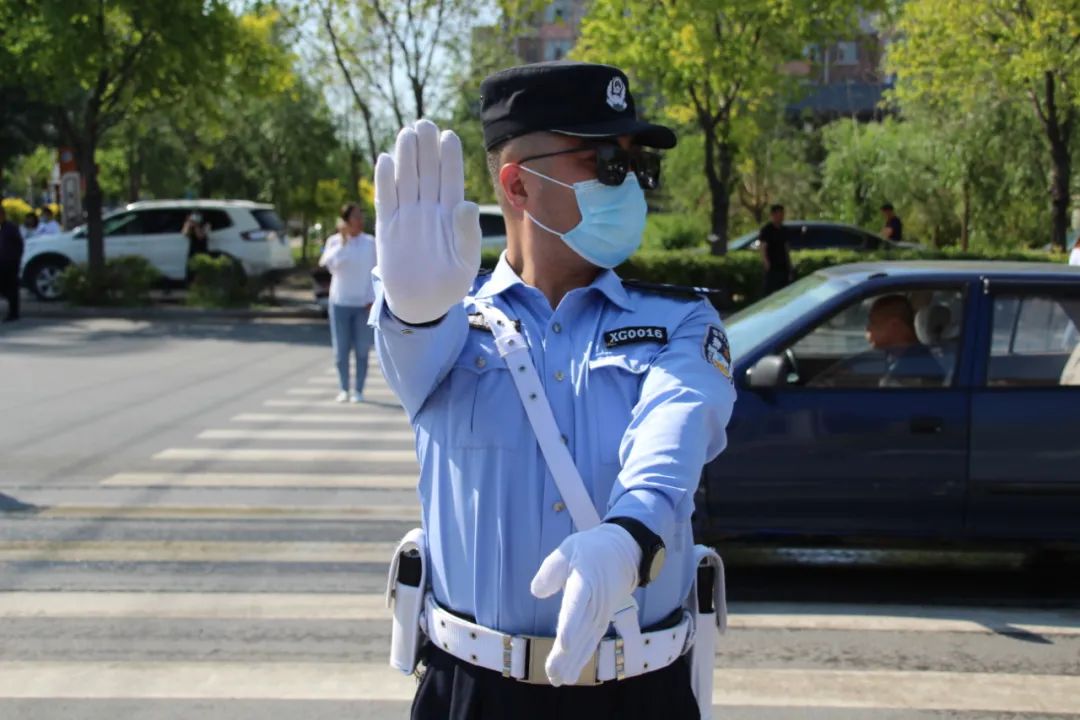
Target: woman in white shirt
x=350 y=257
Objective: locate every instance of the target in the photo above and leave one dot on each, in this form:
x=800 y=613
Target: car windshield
x=750 y=327
x=743 y=241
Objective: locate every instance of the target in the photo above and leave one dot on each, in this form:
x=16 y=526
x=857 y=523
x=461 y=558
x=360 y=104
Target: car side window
x=1035 y=341
x=124 y=224
x=905 y=339
x=218 y=219
x=163 y=221
x=492 y=225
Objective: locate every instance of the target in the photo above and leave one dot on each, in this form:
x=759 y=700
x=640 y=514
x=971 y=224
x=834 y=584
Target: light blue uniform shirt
x=641 y=413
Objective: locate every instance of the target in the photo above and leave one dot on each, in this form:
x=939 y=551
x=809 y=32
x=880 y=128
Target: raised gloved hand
x=596 y=569
x=427 y=238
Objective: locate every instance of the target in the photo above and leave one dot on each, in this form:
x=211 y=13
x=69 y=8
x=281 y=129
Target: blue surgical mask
x=612 y=220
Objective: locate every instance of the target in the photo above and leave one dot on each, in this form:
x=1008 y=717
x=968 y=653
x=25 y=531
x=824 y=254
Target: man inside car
x=897 y=357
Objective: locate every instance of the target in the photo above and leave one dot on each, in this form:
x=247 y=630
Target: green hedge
x=219 y=282
x=127 y=281
x=739 y=275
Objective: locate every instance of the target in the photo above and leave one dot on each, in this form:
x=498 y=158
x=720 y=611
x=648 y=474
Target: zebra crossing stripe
x=193 y=551
x=372 y=606
x=759 y=687
x=288 y=455
x=358 y=479
x=391 y=513
x=320 y=418
x=405 y=436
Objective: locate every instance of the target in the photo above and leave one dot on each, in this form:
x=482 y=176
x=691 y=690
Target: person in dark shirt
x=11 y=250
x=894 y=229
x=775 y=253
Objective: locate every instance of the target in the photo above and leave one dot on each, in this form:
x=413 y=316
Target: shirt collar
x=503 y=278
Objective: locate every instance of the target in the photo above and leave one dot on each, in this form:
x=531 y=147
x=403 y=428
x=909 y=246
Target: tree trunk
x=1060 y=178
x=719 y=162
x=95 y=227
x=965 y=215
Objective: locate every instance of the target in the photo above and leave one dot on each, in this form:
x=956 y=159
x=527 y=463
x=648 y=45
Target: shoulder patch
x=718 y=350
x=631 y=335
x=684 y=292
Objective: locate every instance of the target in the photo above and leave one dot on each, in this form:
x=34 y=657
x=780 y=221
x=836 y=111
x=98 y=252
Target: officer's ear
x=513 y=187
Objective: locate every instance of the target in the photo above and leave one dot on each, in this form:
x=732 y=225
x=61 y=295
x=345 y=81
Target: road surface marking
x=369 y=434
x=193 y=551
x=359 y=479
x=382 y=404
x=318 y=418
x=884 y=689
x=392 y=513
x=371 y=606
x=288 y=455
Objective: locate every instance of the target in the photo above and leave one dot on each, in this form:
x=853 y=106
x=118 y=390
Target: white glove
x=597 y=569
x=427 y=238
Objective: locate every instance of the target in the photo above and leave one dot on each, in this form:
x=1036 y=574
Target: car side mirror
x=769 y=372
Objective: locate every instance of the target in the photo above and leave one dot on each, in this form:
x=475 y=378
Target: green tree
x=712 y=63
x=95 y=63
x=950 y=53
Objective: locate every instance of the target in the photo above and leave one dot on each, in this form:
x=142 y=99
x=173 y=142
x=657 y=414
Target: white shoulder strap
x=515 y=351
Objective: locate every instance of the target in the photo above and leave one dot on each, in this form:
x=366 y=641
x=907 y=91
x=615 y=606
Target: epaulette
x=680 y=291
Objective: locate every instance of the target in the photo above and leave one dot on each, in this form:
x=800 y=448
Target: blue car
x=905 y=401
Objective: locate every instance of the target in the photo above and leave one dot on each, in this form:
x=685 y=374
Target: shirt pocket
x=485 y=405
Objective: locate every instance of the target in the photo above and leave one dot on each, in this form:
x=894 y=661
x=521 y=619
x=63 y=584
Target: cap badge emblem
x=616 y=94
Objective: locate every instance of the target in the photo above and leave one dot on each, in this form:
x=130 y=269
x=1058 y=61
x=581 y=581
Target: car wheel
x=44 y=278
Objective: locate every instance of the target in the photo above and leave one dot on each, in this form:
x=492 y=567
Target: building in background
x=553 y=32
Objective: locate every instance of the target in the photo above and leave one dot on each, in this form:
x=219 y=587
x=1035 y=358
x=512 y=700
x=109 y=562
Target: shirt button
x=559 y=375
x=556 y=328
x=480 y=362
x=558 y=507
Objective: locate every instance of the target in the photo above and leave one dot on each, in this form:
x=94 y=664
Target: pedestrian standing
x=775 y=251
x=1074 y=256
x=48 y=225
x=893 y=228
x=562 y=415
x=349 y=255
x=29 y=225
x=11 y=250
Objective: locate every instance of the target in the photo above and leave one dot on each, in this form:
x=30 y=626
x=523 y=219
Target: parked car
x=984 y=449
x=817 y=235
x=250 y=233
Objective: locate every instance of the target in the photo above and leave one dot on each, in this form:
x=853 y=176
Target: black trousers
x=455 y=690
x=776 y=279
x=9 y=289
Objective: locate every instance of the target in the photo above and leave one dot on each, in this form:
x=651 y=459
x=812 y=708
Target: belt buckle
x=540 y=648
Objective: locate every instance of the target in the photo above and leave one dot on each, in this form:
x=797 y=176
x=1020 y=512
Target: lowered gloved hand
x=597 y=570
x=427 y=238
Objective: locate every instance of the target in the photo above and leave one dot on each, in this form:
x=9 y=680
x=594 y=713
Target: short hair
x=494 y=165
x=776 y=208
x=887 y=206
x=346 y=210
x=897 y=306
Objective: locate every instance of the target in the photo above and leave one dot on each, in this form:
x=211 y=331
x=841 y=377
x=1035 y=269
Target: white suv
x=250 y=233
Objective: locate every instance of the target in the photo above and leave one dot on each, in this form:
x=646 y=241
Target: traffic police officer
x=638 y=379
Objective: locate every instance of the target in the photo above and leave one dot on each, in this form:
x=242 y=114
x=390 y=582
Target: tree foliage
x=713 y=64
x=956 y=56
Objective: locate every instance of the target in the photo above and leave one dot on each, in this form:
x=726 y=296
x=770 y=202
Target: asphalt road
x=189 y=527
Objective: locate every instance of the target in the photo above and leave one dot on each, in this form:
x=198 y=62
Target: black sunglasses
x=613 y=162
